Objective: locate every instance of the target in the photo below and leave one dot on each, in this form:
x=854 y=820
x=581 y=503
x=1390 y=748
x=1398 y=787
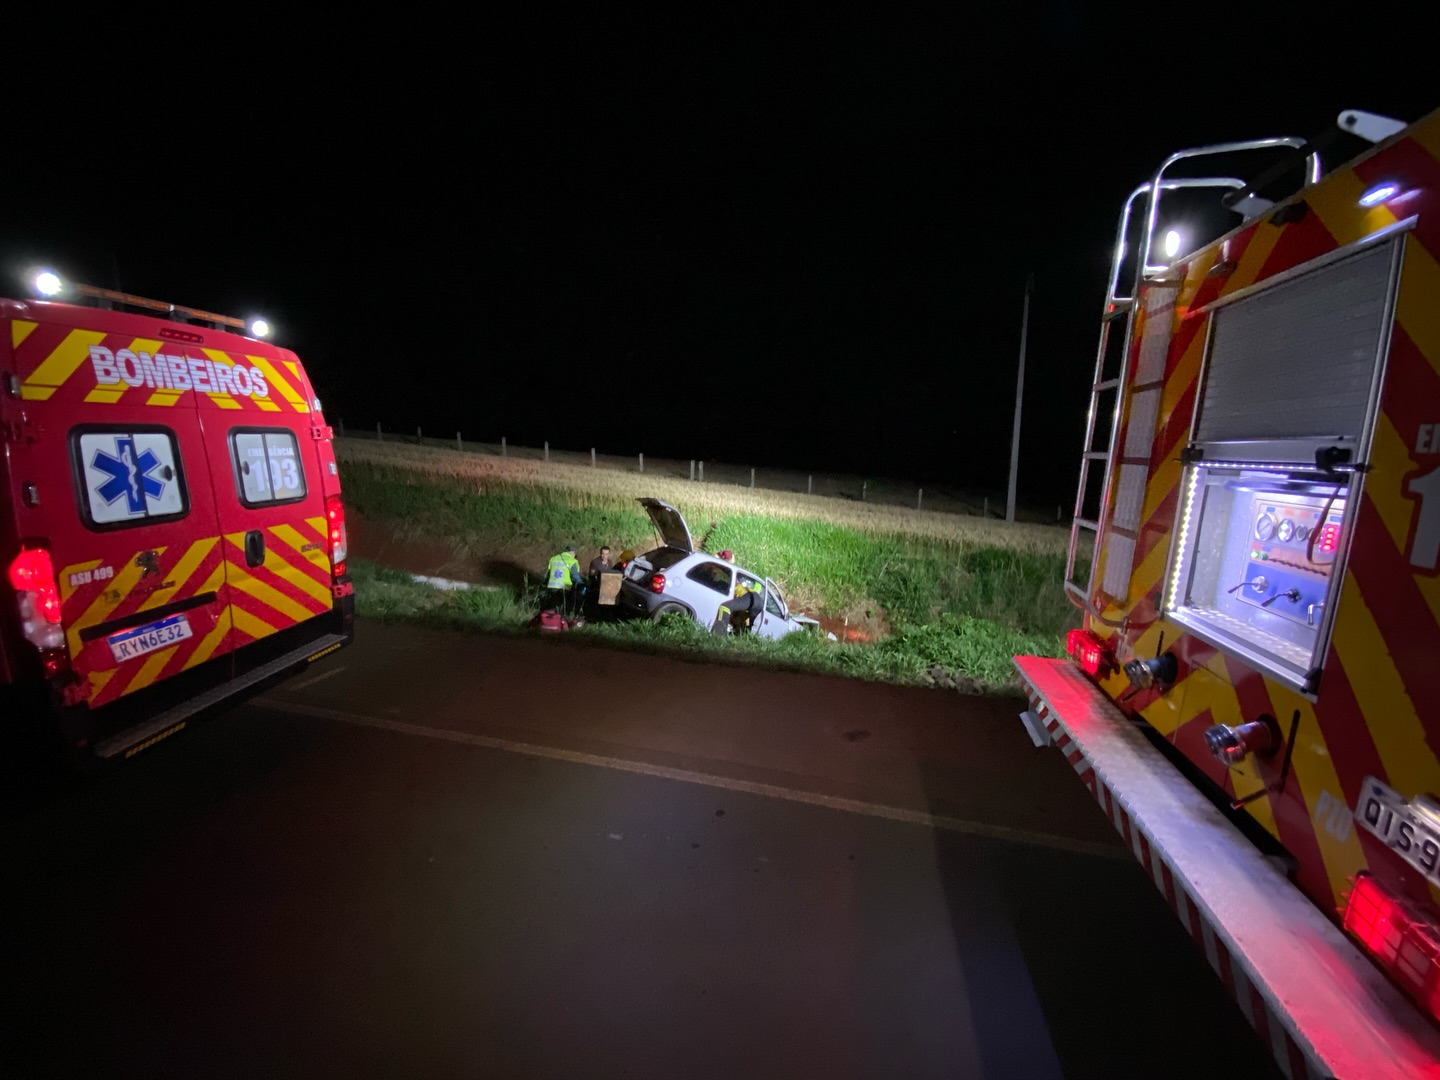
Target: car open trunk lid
x=669 y=524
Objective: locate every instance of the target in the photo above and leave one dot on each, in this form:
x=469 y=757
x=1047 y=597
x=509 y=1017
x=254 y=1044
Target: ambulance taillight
x=339 y=545
x=32 y=576
x=1399 y=937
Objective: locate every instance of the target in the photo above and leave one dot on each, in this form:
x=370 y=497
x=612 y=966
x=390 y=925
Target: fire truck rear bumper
x=1310 y=994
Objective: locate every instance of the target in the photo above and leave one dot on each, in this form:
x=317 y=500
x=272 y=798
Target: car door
x=775 y=617
x=708 y=584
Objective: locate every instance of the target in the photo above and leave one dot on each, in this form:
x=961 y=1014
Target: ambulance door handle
x=254 y=548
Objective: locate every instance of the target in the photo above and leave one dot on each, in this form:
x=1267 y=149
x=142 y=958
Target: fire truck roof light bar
x=97 y=293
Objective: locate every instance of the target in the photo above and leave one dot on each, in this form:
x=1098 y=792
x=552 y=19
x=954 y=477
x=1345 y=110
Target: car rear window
x=712 y=576
x=664 y=558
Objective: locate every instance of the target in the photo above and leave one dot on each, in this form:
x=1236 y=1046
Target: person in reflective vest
x=562 y=575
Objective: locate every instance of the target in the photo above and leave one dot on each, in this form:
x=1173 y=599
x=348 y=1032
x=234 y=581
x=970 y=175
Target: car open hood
x=669 y=524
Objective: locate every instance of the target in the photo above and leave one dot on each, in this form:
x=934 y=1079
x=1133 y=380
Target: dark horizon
x=805 y=254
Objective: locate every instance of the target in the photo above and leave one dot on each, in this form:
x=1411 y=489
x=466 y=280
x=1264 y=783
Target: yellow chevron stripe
x=165 y=397
x=150 y=670
x=281 y=568
x=36 y=393
x=1253 y=259
x=293 y=538
x=321 y=526
x=105 y=395
x=1337 y=203
x=210 y=642
x=1415 y=307
x=100 y=609
x=1427 y=137
x=1391 y=459
x=250 y=624
x=1380 y=691
x=275 y=379
x=66 y=589
x=266 y=594
x=19 y=330
x=183 y=571
x=62 y=362
x=1313 y=768
x=100 y=679
x=266 y=404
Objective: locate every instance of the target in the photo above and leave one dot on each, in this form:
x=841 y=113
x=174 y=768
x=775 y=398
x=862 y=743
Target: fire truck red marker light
x=1329 y=538
x=1398 y=938
x=1086 y=650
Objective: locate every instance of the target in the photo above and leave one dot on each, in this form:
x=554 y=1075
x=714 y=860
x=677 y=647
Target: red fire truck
x=171 y=528
x=1254 y=694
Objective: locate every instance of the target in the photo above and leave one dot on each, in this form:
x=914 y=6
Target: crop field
x=919 y=597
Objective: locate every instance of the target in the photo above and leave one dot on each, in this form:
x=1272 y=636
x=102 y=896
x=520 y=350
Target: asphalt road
x=444 y=855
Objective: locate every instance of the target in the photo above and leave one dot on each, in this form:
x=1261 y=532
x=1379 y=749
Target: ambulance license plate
x=1384 y=813
x=146 y=639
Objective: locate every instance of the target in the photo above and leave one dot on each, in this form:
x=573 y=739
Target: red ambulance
x=171 y=528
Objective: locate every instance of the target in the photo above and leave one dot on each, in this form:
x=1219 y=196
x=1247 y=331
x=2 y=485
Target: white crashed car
x=675 y=578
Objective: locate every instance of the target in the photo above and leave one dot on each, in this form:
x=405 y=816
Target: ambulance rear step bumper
x=1310 y=994
x=133 y=740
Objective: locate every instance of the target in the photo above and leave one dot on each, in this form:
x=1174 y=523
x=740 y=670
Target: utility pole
x=1019 y=396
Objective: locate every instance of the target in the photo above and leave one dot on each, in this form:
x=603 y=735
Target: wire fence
x=883 y=491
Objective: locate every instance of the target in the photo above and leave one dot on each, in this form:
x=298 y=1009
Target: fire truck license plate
x=1384 y=813
x=148 y=638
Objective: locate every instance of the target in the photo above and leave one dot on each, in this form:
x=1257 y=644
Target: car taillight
x=1087 y=650
x=32 y=576
x=339 y=547
x=1399 y=937
x=657 y=583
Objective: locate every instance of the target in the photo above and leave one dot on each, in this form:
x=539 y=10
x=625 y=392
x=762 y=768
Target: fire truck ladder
x=1107 y=411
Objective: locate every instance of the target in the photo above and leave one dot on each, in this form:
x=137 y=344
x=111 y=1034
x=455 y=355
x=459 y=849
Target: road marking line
x=317 y=678
x=748 y=787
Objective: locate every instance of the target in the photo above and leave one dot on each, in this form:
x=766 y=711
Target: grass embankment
x=950 y=602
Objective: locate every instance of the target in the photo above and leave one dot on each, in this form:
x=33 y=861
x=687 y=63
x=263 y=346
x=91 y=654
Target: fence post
x=592 y=457
x=864 y=486
x=752 y=477
x=340 y=420
x=642 y=462
x=692 y=468
x=919 y=498
x=809 y=485
x=547 y=450
x=418 y=435
x=702 y=472
x=379 y=435
x=458 y=444
x=986 y=512
x=1057 y=513
x=502 y=446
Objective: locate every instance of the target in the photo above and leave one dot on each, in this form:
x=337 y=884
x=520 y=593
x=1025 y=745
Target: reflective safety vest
x=742 y=587
x=563 y=570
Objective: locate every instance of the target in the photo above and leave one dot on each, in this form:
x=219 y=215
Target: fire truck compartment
x=1254 y=569
x=1295 y=975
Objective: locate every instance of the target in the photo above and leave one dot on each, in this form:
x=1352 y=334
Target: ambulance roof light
x=48 y=283
x=259 y=328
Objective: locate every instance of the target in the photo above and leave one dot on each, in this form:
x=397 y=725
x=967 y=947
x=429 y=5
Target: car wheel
x=667 y=609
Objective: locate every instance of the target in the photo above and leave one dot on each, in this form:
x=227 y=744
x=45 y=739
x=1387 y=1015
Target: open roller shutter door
x=1298 y=360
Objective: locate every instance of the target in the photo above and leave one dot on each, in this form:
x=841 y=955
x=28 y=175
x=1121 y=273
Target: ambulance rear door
x=270 y=500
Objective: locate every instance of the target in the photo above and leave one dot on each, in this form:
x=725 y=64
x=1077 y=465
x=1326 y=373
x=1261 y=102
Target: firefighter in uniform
x=563 y=581
x=738 y=614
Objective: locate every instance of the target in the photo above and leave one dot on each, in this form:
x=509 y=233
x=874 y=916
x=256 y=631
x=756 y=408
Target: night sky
x=798 y=245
